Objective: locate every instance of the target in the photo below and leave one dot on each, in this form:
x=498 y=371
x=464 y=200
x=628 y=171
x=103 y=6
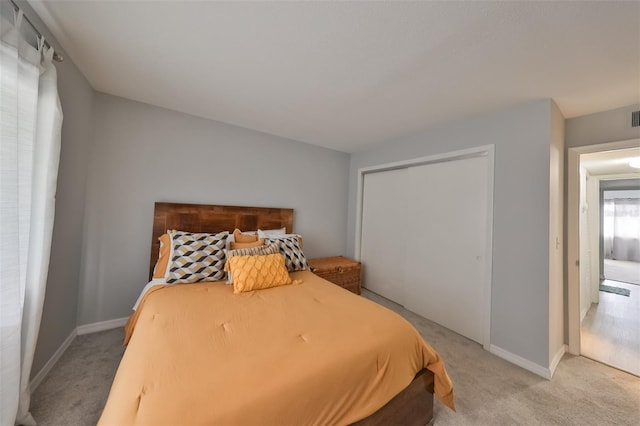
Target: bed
x=306 y=353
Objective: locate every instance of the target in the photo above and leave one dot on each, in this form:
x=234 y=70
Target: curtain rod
x=56 y=56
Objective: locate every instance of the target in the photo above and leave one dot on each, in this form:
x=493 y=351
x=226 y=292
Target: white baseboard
x=556 y=359
x=101 y=326
x=521 y=362
x=82 y=329
x=39 y=378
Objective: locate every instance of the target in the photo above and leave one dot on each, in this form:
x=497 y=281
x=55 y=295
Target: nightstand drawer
x=339 y=270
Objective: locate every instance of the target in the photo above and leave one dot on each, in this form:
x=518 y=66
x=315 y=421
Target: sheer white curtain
x=31 y=120
x=608 y=227
x=621 y=229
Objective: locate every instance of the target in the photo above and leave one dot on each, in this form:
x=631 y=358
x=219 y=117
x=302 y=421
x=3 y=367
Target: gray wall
x=520 y=294
x=145 y=154
x=59 y=314
x=606 y=126
x=620 y=184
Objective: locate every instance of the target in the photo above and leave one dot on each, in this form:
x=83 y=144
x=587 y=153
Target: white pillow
x=272 y=233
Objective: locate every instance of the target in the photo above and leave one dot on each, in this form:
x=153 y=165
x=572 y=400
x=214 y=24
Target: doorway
x=608 y=252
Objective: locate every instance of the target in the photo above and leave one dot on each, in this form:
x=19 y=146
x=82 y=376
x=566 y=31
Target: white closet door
x=382 y=246
x=446 y=239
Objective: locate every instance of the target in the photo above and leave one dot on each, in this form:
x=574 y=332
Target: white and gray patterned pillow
x=196 y=257
x=251 y=251
x=294 y=258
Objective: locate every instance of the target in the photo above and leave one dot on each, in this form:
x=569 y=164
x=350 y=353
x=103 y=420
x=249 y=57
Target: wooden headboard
x=213 y=219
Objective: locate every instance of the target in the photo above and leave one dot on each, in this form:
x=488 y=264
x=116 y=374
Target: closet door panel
x=445 y=236
x=382 y=248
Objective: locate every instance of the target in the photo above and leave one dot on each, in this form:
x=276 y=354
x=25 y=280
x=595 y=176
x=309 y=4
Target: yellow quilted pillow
x=258 y=272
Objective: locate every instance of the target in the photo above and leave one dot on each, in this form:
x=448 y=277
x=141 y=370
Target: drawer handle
x=340 y=270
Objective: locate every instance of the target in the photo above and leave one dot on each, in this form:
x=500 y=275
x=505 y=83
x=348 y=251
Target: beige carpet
x=489 y=391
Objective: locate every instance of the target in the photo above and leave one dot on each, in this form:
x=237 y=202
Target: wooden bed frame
x=412 y=406
x=213 y=219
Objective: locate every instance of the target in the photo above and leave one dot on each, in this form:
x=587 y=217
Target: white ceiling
x=609 y=163
x=347 y=74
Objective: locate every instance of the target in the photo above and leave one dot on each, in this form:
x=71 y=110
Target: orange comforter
x=300 y=354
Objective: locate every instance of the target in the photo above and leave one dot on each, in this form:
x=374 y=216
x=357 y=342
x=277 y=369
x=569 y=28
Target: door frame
x=480 y=151
x=573 y=233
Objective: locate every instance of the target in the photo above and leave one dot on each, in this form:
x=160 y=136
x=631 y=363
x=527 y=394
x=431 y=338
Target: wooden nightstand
x=339 y=270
